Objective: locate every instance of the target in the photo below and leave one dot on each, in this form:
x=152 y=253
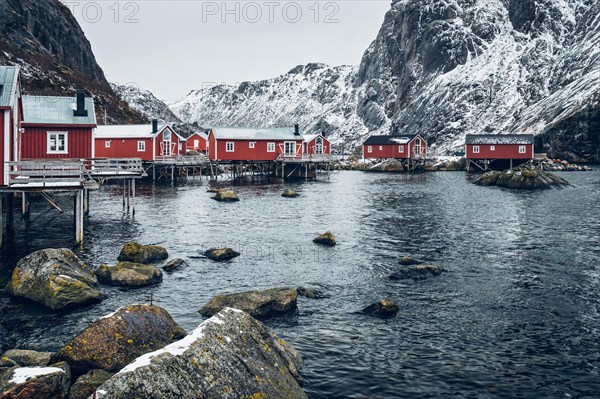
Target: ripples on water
x=516 y=315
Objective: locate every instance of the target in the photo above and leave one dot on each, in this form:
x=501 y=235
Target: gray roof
x=9 y=76
x=131 y=131
x=499 y=139
x=56 y=110
x=236 y=133
x=389 y=139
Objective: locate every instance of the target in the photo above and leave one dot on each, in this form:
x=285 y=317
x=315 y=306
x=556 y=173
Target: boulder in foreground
x=259 y=304
x=226 y=196
x=174 y=264
x=115 y=340
x=28 y=358
x=35 y=382
x=289 y=193
x=525 y=177
x=221 y=254
x=230 y=355
x=384 y=309
x=85 y=385
x=327 y=239
x=56 y=278
x=137 y=253
x=127 y=274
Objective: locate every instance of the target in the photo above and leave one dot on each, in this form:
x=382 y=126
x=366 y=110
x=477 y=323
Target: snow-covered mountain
x=145 y=102
x=444 y=68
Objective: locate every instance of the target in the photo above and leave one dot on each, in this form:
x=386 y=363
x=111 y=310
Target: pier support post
x=128 y=184
x=133 y=196
x=153 y=172
x=79 y=217
x=25 y=203
x=124 y=189
x=10 y=213
x=86 y=201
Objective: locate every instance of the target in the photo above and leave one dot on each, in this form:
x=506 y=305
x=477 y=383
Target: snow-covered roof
x=388 y=139
x=56 y=110
x=310 y=137
x=499 y=139
x=235 y=133
x=9 y=76
x=201 y=134
x=131 y=131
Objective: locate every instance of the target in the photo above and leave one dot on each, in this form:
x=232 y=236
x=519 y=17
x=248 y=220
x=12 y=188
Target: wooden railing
x=105 y=167
x=47 y=173
x=304 y=158
x=182 y=159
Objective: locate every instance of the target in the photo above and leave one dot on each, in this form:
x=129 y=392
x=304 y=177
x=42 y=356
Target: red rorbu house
x=148 y=142
x=397 y=147
x=197 y=142
x=316 y=144
x=58 y=127
x=11 y=111
x=254 y=145
x=498 y=149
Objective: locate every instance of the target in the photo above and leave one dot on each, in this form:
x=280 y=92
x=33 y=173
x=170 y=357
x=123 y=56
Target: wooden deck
x=305 y=158
x=182 y=160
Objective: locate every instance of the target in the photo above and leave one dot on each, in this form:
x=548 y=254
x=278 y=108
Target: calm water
x=516 y=315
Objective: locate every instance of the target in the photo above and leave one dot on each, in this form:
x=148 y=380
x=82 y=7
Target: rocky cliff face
x=44 y=38
x=443 y=68
x=145 y=102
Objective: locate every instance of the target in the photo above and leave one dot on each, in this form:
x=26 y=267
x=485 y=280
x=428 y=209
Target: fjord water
x=515 y=315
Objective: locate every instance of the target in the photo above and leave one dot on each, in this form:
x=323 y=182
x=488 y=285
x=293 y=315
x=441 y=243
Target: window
x=522 y=149
x=401 y=148
x=492 y=148
x=167 y=135
x=251 y=144
x=58 y=142
x=475 y=149
x=229 y=146
x=196 y=143
x=369 y=149
x=380 y=148
x=270 y=147
x=141 y=146
x=107 y=144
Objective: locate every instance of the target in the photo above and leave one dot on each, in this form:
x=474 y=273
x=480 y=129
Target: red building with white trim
x=258 y=145
x=316 y=144
x=58 y=127
x=148 y=142
x=499 y=146
x=397 y=147
x=11 y=111
x=197 y=142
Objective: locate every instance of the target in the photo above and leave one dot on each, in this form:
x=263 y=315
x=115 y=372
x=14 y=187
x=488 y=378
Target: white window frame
x=107 y=144
x=476 y=149
x=49 y=150
x=380 y=148
x=522 y=149
x=270 y=147
x=492 y=148
x=142 y=147
x=229 y=146
x=196 y=143
x=401 y=149
x=252 y=144
x=370 y=149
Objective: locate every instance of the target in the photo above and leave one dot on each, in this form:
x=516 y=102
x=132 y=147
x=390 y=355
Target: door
x=166 y=148
x=289 y=149
x=319 y=146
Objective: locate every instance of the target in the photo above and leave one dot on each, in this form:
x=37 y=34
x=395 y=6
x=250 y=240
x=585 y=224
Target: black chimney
x=297 y=130
x=80 y=110
x=323 y=133
x=154 y=125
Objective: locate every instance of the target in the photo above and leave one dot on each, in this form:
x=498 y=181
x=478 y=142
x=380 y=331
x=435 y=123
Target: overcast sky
x=172 y=47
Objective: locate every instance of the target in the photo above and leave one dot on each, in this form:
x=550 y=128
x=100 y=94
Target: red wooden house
x=58 y=127
x=11 y=111
x=259 y=145
x=197 y=142
x=499 y=146
x=316 y=144
x=398 y=147
x=148 y=142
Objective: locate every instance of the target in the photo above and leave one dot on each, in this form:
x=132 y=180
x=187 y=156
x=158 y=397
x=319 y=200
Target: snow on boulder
x=56 y=278
x=35 y=382
x=115 y=340
x=230 y=355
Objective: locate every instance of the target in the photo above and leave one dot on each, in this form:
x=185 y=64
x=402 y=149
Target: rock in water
x=174 y=264
x=521 y=177
x=85 y=385
x=221 y=254
x=115 y=340
x=408 y=261
x=327 y=239
x=390 y=165
x=417 y=273
x=289 y=193
x=27 y=358
x=384 y=308
x=127 y=274
x=230 y=355
x=226 y=196
x=311 y=293
x=259 y=304
x=35 y=382
x=136 y=253
x=56 y=278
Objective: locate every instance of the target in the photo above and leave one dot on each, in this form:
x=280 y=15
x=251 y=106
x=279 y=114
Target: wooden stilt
x=79 y=217
x=133 y=196
x=25 y=203
x=124 y=191
x=86 y=202
x=128 y=195
x=153 y=172
x=511 y=163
